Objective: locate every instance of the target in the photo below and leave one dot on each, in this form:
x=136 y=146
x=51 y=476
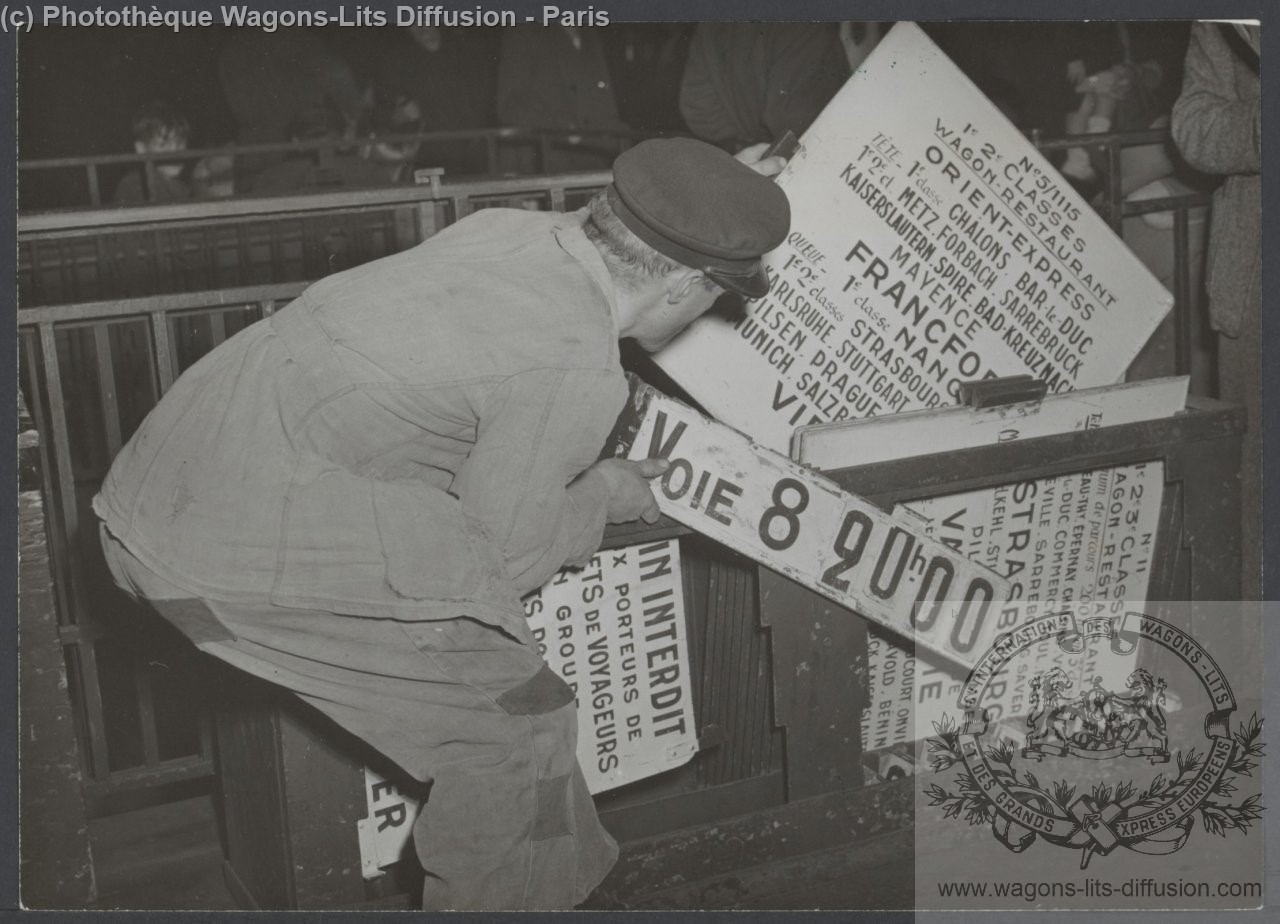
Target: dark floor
x=168 y=857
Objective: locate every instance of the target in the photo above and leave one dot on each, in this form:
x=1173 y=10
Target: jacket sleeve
x=537 y=432
x=1216 y=130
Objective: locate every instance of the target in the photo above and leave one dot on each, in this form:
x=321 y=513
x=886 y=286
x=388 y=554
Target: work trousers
x=509 y=823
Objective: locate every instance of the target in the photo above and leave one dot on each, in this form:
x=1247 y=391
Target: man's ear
x=683 y=282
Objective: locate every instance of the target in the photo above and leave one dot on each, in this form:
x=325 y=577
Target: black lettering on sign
x=781 y=511
x=393 y=816
x=682 y=468
x=885 y=592
x=657 y=448
x=849 y=556
x=979 y=588
x=939 y=570
x=655 y=561
x=722 y=497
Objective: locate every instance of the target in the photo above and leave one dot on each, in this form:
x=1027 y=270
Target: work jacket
x=402 y=440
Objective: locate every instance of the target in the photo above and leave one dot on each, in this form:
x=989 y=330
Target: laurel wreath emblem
x=1218 y=813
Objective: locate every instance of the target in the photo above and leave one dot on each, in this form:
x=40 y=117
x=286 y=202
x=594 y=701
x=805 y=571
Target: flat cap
x=697 y=205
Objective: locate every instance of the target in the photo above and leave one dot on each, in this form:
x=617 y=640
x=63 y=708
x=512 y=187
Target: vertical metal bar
x=268 y=307
x=461 y=207
x=217 y=326
x=67 y=503
x=426 y=225
x=149 y=168
x=26 y=292
x=95 y=191
x=557 y=198
x=42 y=416
x=146 y=711
x=544 y=152
x=404 y=226
x=107 y=387
x=204 y=256
x=69 y=263
x=160 y=262
x=87 y=733
x=164 y=355
x=36 y=296
x=86 y=660
x=242 y=252
x=1114 y=194
x=1183 y=300
x=491 y=154
x=316 y=262
x=276 y=247
x=159 y=272
x=103 y=287
x=61 y=438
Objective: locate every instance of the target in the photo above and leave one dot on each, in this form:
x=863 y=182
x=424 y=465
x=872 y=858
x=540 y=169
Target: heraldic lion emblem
x=1098 y=723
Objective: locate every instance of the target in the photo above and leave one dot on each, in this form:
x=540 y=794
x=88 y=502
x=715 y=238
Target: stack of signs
x=615 y=632
x=930 y=244
x=1075 y=538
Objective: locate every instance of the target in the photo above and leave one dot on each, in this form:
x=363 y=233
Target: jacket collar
x=573 y=240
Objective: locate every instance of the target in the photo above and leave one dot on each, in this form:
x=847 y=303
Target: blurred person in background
x=1217 y=125
x=158 y=128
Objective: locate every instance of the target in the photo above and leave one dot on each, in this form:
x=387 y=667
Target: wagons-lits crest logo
x=1098 y=724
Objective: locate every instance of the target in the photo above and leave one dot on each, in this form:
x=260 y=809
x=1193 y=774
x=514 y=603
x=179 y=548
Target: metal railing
x=488 y=152
x=91 y=373
x=152 y=249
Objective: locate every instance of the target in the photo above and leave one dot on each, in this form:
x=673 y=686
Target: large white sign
x=930 y=244
x=614 y=631
x=806 y=527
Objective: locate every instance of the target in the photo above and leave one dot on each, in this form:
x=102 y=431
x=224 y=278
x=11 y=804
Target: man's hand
x=753 y=157
x=630 y=497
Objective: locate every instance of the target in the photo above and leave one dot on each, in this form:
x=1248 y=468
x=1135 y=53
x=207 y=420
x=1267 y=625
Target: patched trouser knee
x=509 y=823
x=548 y=704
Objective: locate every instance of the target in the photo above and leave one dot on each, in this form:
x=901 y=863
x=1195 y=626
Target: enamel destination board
x=930 y=244
x=804 y=526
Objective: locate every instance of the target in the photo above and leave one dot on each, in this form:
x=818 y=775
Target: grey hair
x=631 y=261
